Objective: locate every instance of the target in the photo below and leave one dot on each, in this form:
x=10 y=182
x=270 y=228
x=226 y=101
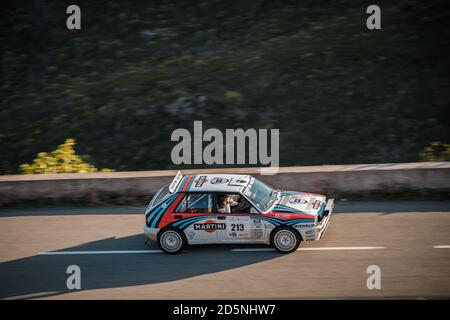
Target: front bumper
x=323 y=224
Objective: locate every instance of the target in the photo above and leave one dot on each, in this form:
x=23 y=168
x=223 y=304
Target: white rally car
x=218 y=208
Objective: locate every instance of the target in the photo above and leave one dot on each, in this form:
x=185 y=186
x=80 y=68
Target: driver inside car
x=227 y=202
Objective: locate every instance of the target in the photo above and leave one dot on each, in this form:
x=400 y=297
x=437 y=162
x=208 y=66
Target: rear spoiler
x=175 y=182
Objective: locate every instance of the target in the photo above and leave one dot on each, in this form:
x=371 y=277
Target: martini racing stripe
x=190 y=183
x=159 y=209
x=187 y=183
x=278 y=222
x=180 y=187
x=280 y=207
x=292 y=222
x=159 y=215
x=157 y=206
x=151 y=213
x=184 y=223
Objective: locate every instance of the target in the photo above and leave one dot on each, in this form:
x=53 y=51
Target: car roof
x=213 y=183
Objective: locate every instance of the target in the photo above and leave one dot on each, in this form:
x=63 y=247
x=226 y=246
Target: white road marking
x=441 y=247
x=343 y=248
x=311 y=249
x=52 y=253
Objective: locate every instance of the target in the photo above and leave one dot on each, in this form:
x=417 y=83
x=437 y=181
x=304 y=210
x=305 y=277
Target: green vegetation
x=436 y=151
x=61 y=160
x=137 y=70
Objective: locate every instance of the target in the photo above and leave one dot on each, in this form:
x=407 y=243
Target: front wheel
x=285 y=239
x=171 y=240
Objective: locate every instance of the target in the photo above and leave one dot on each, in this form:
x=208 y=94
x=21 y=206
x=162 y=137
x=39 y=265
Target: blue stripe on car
x=158 y=216
x=287 y=209
x=183 y=224
x=290 y=222
x=177 y=223
x=159 y=207
x=281 y=207
x=190 y=183
x=180 y=188
x=150 y=217
x=188 y=223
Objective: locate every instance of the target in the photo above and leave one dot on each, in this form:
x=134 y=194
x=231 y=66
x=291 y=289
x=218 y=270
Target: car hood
x=300 y=202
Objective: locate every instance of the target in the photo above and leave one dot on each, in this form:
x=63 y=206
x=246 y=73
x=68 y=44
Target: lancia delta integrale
x=236 y=209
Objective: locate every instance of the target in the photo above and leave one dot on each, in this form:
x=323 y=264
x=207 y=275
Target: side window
x=232 y=203
x=195 y=203
x=161 y=195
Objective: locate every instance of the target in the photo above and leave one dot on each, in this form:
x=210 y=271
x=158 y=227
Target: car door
x=240 y=224
x=199 y=223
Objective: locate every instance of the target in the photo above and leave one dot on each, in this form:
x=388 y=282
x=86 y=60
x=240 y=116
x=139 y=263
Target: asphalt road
x=409 y=241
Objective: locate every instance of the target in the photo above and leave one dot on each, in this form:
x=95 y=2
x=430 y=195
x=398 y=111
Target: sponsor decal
x=316 y=204
x=257 y=234
x=191 y=235
x=175 y=182
x=219 y=180
x=237 y=182
x=297 y=200
x=240 y=181
x=301 y=225
x=309 y=232
x=209 y=226
x=200 y=181
x=233 y=234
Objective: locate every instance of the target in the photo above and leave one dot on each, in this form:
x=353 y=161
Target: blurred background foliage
x=62 y=160
x=436 y=151
x=137 y=70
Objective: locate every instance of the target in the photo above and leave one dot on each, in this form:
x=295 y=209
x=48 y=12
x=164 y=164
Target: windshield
x=260 y=194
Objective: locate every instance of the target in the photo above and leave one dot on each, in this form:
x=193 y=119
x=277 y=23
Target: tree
x=62 y=160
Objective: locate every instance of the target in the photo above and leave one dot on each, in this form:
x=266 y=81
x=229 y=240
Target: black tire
x=171 y=240
x=285 y=239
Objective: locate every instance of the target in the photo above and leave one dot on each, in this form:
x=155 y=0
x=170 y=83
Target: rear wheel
x=171 y=240
x=285 y=239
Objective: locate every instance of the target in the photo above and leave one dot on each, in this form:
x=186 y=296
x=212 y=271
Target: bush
x=62 y=160
x=436 y=151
